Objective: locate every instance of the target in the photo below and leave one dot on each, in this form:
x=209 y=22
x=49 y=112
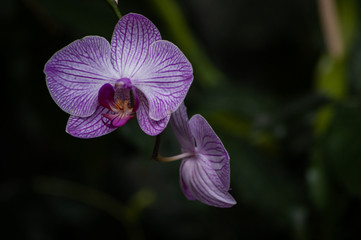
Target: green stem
x=115 y=8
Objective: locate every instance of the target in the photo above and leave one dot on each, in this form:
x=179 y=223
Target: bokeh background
x=282 y=94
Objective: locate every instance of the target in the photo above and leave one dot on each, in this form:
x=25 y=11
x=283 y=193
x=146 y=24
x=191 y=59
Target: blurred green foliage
x=287 y=111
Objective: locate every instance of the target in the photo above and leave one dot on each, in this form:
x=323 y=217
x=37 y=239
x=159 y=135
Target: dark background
x=263 y=79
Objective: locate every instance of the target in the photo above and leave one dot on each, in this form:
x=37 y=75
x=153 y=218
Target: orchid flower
x=103 y=85
x=204 y=171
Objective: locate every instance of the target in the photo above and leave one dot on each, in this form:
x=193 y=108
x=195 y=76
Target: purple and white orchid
x=204 y=171
x=103 y=85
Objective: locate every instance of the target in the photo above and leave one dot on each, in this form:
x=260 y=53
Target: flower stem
x=331 y=27
x=156 y=156
x=160 y=158
x=115 y=8
x=156 y=147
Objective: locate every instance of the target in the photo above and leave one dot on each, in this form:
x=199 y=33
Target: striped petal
x=181 y=130
x=200 y=181
x=131 y=40
x=183 y=179
x=210 y=146
x=148 y=125
x=75 y=73
x=90 y=127
x=164 y=79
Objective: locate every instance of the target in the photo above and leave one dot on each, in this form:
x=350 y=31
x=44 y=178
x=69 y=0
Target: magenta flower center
x=121 y=101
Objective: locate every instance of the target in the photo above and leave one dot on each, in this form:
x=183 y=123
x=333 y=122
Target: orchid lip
x=118 y=100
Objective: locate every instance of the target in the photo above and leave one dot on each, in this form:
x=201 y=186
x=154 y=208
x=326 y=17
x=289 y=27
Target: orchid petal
x=185 y=186
x=75 y=73
x=131 y=39
x=164 y=78
x=181 y=130
x=200 y=181
x=209 y=145
x=89 y=127
x=148 y=125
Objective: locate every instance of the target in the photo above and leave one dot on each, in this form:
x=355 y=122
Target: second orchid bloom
x=204 y=172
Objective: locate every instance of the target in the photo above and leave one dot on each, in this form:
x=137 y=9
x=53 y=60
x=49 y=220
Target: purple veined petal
x=89 y=127
x=209 y=145
x=181 y=130
x=131 y=39
x=186 y=189
x=200 y=181
x=148 y=125
x=75 y=73
x=164 y=78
